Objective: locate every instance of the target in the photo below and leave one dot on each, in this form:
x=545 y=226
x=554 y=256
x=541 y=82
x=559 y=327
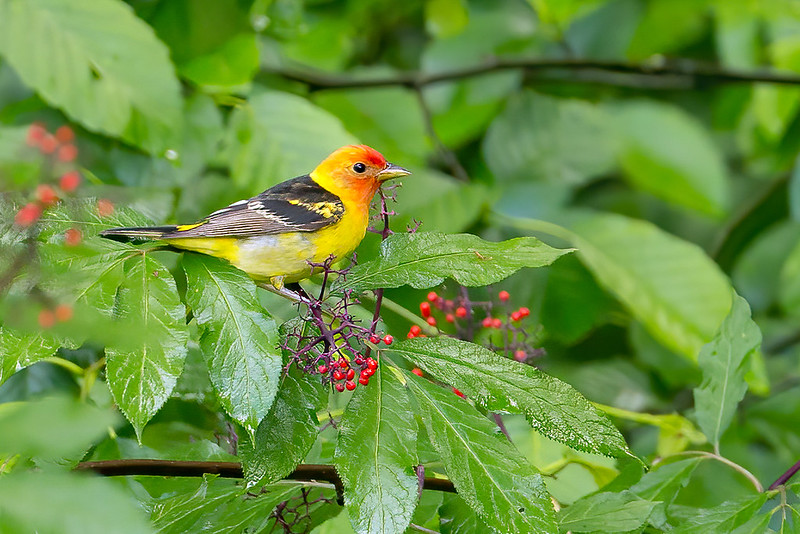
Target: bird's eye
x=359 y=167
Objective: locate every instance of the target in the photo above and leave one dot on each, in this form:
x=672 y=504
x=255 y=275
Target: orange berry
x=417 y=371
x=105 y=207
x=48 y=144
x=65 y=134
x=47 y=319
x=503 y=296
x=431 y=321
x=450 y=318
x=63 y=312
x=72 y=237
x=520 y=355
x=425 y=309
x=70 y=181
x=67 y=153
x=461 y=312
x=36 y=133
x=432 y=296
x=28 y=214
x=46 y=194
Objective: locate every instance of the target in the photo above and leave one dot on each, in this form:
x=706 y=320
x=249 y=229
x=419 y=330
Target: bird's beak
x=392 y=171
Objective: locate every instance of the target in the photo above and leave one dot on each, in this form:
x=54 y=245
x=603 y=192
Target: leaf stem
x=730 y=463
x=781 y=480
x=66 y=364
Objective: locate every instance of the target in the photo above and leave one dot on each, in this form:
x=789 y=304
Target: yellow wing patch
x=326 y=209
x=185 y=227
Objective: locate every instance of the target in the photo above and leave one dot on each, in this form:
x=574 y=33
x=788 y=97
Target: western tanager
x=275 y=235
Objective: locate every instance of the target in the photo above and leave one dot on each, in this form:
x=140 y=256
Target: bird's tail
x=138 y=233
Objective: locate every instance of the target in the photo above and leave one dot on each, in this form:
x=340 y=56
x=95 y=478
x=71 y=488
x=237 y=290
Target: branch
x=174 y=468
x=681 y=74
x=784 y=478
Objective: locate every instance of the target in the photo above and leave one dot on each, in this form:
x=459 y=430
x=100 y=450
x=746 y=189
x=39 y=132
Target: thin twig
x=448 y=156
x=730 y=463
x=784 y=478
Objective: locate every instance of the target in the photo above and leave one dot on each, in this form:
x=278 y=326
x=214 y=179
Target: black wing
x=296 y=205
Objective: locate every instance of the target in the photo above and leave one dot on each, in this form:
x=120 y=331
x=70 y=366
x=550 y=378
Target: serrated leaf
x=425 y=259
x=724 y=362
x=723 y=518
x=75 y=505
x=239 y=339
x=499 y=384
x=284 y=437
x=113 y=78
x=21 y=349
x=669 y=154
x=456 y=517
x=606 y=512
x=143 y=369
x=376 y=456
x=488 y=472
x=664 y=481
x=279 y=135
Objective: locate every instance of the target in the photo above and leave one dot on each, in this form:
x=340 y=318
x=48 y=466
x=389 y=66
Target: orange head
x=355 y=172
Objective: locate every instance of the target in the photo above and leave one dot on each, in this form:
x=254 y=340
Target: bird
x=276 y=235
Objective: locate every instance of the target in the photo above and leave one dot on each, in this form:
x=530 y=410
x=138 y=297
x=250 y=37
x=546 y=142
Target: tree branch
x=784 y=478
x=174 y=468
x=681 y=74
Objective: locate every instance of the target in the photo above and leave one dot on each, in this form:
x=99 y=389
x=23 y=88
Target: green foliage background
x=645 y=134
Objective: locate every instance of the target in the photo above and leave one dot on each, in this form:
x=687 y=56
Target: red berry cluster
x=343 y=372
x=62 y=313
x=60 y=143
x=463 y=314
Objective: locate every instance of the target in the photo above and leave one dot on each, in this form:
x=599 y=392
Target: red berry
x=67 y=153
x=47 y=319
x=48 y=144
x=520 y=355
x=323 y=369
x=351 y=373
x=432 y=321
x=364 y=380
x=450 y=318
x=516 y=316
x=503 y=296
x=371 y=363
x=410 y=336
x=46 y=194
x=448 y=304
x=28 y=214
x=388 y=339
x=496 y=323
x=65 y=134
x=425 y=309
x=63 y=312
x=416 y=330
x=338 y=375
x=70 y=181
x=339 y=387
x=417 y=371
x=105 y=207
x=487 y=322
x=524 y=312
x=72 y=237
x=369 y=371
x=343 y=363
x=457 y=392
x=358 y=360
x=365 y=373
x=432 y=296
x=461 y=312
x=36 y=133
x=350 y=385
x=374 y=339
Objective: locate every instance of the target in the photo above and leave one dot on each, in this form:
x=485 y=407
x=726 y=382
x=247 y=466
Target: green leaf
x=606 y=512
x=52 y=428
x=75 y=505
x=723 y=518
x=239 y=339
x=499 y=384
x=444 y=18
x=664 y=481
x=376 y=457
x=669 y=285
x=549 y=139
x=456 y=517
x=489 y=473
x=724 y=362
x=284 y=437
x=113 y=78
x=425 y=259
x=21 y=349
x=668 y=153
x=143 y=369
x=232 y=64
x=278 y=135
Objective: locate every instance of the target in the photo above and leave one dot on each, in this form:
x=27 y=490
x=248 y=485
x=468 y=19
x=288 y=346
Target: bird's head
x=355 y=172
